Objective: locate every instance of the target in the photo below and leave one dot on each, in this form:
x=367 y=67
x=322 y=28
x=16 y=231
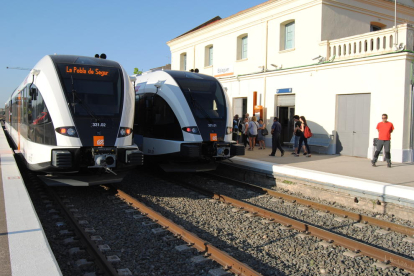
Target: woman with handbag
x=304 y=135
x=260 y=136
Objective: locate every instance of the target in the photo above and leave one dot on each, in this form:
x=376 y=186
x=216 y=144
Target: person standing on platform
x=303 y=139
x=276 y=130
x=251 y=130
x=296 y=132
x=260 y=137
x=236 y=122
x=385 y=129
x=247 y=115
x=244 y=133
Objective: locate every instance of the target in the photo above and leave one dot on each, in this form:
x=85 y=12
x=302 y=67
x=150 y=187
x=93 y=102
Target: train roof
x=84 y=60
x=185 y=74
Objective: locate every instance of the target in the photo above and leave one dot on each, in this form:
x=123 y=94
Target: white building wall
x=320 y=25
x=316 y=94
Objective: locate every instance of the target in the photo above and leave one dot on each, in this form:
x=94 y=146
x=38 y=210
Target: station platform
x=395 y=184
x=24 y=249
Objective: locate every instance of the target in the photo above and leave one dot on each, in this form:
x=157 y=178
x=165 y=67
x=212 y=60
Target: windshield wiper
x=85 y=107
x=197 y=105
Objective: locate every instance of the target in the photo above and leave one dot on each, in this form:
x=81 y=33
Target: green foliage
x=137 y=71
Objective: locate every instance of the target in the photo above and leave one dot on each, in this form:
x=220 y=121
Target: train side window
x=41 y=128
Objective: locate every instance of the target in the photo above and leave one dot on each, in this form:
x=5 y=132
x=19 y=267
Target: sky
x=133 y=33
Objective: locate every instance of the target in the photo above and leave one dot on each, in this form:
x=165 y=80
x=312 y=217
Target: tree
x=137 y=71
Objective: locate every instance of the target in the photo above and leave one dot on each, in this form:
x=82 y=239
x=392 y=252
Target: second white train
x=182 y=119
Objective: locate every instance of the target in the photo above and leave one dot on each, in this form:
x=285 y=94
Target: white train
x=183 y=118
x=72 y=117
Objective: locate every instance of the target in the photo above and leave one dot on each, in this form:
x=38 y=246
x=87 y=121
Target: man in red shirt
x=385 y=129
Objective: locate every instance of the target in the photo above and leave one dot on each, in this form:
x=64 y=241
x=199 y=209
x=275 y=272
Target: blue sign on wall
x=284 y=90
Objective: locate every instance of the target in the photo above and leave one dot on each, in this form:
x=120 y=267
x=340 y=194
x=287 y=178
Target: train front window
x=205 y=97
x=92 y=90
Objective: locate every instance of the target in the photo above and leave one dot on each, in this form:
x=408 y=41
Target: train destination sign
x=86 y=71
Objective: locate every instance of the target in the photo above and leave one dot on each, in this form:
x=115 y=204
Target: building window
x=208 y=55
x=244 y=48
x=183 y=62
x=376 y=26
x=287 y=32
x=242 y=44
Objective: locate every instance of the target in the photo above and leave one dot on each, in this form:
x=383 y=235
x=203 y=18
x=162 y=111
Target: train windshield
x=205 y=97
x=93 y=91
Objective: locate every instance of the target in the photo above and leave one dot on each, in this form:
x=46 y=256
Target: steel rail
x=365 y=249
x=100 y=260
x=214 y=253
x=322 y=207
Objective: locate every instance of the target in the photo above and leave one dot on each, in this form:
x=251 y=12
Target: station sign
x=284 y=90
x=223 y=71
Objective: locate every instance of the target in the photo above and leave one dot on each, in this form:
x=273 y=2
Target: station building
x=340 y=63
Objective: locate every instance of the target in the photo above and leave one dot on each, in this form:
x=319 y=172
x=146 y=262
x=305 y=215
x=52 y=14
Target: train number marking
x=98 y=125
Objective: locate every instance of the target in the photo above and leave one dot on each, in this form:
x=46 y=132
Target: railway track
x=384 y=257
x=96 y=262
x=91 y=259
x=221 y=257
x=318 y=206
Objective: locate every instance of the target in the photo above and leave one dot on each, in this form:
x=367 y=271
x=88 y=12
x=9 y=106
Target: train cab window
x=205 y=97
x=41 y=128
x=154 y=118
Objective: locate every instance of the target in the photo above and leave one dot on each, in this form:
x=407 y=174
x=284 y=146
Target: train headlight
x=229 y=130
x=191 y=129
x=67 y=131
x=124 y=131
x=71 y=131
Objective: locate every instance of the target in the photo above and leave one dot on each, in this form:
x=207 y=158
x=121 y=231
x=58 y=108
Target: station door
x=240 y=107
x=352 y=124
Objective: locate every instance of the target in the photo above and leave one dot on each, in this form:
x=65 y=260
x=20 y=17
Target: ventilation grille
x=61 y=159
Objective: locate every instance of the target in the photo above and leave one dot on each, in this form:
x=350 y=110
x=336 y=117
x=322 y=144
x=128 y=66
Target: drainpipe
x=412 y=112
x=395 y=26
x=194 y=59
x=266 y=50
x=254 y=101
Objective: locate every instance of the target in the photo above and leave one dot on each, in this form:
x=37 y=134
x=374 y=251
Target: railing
x=373 y=43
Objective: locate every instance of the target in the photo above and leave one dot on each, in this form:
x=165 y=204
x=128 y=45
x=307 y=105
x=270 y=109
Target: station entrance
x=286 y=114
x=352 y=124
x=285 y=111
